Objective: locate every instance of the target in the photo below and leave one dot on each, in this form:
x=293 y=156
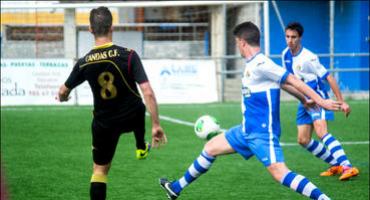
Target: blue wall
x=351 y=30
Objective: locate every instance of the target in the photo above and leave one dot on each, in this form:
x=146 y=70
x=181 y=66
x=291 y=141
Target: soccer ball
x=206 y=127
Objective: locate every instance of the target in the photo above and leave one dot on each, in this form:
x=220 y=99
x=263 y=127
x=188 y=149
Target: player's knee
x=320 y=128
x=210 y=149
x=278 y=171
x=275 y=173
x=321 y=132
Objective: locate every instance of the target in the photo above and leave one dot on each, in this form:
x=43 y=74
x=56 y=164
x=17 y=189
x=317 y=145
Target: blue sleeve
x=325 y=76
x=284 y=77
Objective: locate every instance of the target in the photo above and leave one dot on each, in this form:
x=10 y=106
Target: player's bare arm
x=306 y=90
x=63 y=94
x=294 y=92
x=158 y=136
x=334 y=87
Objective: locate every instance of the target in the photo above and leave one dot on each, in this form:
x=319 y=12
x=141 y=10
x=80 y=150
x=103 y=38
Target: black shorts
x=105 y=139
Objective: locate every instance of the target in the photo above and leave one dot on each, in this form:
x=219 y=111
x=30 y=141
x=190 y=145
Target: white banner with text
x=182 y=81
x=36 y=81
x=33 y=81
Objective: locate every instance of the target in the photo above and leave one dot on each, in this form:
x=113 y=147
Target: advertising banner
x=37 y=81
x=182 y=81
x=173 y=81
x=33 y=81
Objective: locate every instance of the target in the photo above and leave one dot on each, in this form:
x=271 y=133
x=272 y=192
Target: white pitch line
x=186 y=123
x=177 y=121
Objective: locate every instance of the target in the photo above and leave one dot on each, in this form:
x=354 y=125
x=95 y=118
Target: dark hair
x=100 y=21
x=249 y=32
x=296 y=26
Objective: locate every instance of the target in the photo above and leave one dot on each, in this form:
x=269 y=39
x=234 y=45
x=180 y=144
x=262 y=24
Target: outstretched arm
x=334 y=86
x=294 y=92
x=158 y=135
x=306 y=90
x=75 y=78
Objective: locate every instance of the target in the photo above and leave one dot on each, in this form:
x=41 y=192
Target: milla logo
x=287 y=61
x=14 y=91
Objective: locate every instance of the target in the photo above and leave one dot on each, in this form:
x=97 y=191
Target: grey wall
x=129 y=39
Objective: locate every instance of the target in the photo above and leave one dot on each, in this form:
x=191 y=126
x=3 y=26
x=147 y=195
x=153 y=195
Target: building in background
x=198 y=32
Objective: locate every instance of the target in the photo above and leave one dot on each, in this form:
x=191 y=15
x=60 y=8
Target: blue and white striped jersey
x=307 y=67
x=261 y=95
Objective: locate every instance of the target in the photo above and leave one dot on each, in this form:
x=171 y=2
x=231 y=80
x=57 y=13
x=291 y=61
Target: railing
x=237 y=72
x=224 y=73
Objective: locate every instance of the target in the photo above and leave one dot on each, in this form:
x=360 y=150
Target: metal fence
x=180 y=30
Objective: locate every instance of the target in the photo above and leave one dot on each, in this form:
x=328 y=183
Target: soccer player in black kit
x=112 y=73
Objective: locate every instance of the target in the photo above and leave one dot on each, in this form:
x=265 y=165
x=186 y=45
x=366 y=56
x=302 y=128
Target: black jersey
x=112 y=72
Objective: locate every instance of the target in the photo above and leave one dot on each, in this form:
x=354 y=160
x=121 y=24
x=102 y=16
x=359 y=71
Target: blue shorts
x=267 y=150
x=309 y=116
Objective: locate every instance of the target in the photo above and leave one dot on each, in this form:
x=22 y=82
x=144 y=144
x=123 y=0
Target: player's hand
x=330 y=104
x=61 y=98
x=63 y=94
x=345 y=108
x=158 y=137
x=309 y=103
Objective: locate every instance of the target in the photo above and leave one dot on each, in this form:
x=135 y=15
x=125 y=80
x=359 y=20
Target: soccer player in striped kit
x=305 y=65
x=259 y=132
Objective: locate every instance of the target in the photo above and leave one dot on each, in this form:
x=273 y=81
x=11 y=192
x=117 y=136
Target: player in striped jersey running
x=259 y=132
x=305 y=65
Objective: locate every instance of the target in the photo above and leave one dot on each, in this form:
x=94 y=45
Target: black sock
x=98 y=191
x=140 y=139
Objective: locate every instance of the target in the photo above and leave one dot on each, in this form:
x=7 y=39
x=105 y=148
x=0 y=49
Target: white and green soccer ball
x=207 y=127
